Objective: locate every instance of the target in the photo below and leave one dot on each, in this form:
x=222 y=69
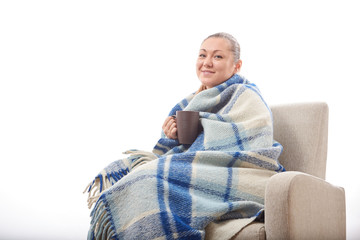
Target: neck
x=202 y=88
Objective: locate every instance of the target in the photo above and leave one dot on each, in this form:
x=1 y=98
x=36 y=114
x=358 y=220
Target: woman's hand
x=169 y=127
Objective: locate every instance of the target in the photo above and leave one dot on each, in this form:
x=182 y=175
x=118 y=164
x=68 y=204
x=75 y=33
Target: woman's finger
x=166 y=122
x=173 y=133
x=172 y=129
x=169 y=127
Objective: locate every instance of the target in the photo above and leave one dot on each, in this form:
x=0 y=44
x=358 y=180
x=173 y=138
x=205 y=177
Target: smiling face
x=215 y=63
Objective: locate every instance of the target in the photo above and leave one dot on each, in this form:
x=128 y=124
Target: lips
x=207 y=72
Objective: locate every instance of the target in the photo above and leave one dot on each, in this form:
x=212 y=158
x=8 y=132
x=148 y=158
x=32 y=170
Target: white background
x=83 y=81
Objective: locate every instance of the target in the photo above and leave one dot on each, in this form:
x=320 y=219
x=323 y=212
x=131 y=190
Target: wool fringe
x=139 y=157
x=96 y=187
x=101 y=225
x=105 y=180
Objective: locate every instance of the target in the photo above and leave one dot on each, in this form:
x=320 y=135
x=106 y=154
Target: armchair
x=299 y=203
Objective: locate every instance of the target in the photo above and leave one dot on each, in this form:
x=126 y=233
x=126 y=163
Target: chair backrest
x=302 y=129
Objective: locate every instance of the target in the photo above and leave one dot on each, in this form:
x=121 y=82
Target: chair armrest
x=301 y=206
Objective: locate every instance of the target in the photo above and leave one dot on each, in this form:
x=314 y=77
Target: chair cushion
x=255 y=230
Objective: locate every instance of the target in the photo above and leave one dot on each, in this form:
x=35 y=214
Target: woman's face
x=215 y=63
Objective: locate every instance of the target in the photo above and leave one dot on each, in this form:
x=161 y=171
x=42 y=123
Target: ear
x=238 y=66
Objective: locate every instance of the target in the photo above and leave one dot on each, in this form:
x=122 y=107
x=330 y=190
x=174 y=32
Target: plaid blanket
x=176 y=191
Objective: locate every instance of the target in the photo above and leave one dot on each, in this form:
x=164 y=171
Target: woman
x=178 y=191
x=218 y=60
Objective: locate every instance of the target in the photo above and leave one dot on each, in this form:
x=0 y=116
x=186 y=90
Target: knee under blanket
x=176 y=191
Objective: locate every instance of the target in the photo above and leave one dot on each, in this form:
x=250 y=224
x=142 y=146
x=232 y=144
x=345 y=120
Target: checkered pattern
x=176 y=191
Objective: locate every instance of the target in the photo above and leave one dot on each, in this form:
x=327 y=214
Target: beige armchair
x=299 y=203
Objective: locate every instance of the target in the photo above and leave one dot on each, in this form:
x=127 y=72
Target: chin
x=210 y=83
x=206 y=83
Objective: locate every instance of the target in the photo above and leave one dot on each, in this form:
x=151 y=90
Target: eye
x=218 y=56
x=201 y=55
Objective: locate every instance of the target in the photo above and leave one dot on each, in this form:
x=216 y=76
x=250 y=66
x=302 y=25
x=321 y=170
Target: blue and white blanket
x=176 y=191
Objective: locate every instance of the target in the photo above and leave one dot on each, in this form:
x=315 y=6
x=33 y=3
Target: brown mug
x=187 y=123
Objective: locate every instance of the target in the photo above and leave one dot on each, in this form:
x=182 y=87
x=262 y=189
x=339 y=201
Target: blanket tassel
x=102 y=182
x=105 y=180
x=101 y=225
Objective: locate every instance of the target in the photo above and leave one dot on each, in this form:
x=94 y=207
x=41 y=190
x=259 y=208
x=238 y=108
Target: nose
x=207 y=62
